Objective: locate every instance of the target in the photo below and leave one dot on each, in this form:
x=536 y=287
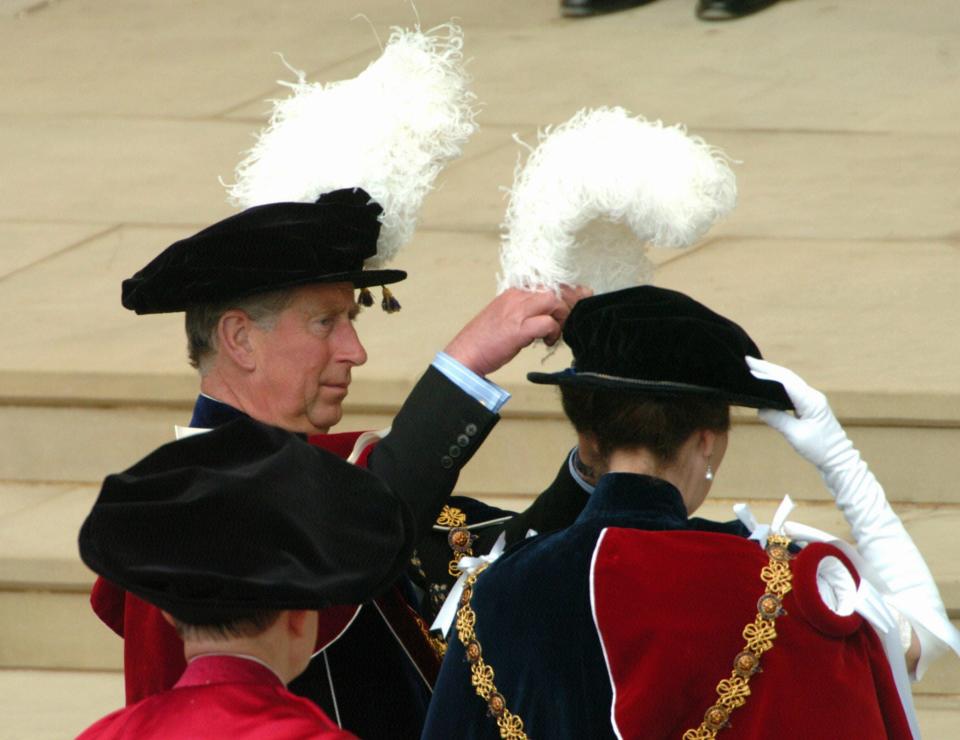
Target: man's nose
x=350 y=348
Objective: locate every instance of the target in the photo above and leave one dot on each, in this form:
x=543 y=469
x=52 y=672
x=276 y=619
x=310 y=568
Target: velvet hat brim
x=246 y=517
x=265 y=248
x=661 y=343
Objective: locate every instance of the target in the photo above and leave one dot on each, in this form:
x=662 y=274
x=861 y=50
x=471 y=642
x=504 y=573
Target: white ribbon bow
x=468 y=566
x=760 y=532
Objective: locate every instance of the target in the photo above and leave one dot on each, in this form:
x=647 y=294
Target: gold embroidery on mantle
x=451 y=517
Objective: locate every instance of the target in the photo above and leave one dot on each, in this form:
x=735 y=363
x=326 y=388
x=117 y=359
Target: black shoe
x=576 y=8
x=726 y=10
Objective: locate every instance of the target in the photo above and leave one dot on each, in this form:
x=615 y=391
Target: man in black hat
x=269 y=302
x=239 y=536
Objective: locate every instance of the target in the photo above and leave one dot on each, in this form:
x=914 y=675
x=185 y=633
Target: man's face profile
x=304 y=361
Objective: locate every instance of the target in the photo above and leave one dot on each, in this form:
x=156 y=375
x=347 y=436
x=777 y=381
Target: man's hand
x=510 y=322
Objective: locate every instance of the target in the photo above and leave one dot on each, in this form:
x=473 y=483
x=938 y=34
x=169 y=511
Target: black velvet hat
x=264 y=248
x=246 y=517
x=661 y=343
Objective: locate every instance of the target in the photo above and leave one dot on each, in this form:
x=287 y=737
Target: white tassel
x=601 y=187
x=390 y=130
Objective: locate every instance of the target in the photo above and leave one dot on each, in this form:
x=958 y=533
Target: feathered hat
x=600 y=188
x=595 y=193
x=334 y=184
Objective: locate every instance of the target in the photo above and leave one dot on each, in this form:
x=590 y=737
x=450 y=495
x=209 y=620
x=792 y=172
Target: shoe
x=726 y=10
x=577 y=8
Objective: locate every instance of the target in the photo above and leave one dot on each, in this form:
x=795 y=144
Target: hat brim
x=660 y=388
x=359 y=279
x=202 y=609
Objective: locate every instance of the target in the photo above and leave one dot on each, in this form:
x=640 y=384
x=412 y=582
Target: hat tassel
x=389 y=303
x=365 y=298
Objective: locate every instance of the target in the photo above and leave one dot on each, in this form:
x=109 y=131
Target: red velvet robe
x=826 y=675
x=220 y=696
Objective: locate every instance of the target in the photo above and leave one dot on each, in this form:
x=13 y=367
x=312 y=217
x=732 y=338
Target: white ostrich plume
x=598 y=190
x=390 y=130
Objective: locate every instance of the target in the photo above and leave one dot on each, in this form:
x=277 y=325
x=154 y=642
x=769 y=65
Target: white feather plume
x=390 y=130
x=601 y=187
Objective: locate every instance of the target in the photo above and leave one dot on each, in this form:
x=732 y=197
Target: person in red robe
x=237 y=537
x=640 y=620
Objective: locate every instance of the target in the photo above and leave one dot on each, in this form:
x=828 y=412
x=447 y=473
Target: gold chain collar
x=732 y=692
x=481 y=674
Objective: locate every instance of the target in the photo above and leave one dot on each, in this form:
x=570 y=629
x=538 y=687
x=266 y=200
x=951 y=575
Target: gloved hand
x=815 y=432
x=880 y=536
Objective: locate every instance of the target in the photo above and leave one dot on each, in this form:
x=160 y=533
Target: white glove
x=880 y=536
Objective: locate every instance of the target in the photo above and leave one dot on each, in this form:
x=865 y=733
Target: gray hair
x=201 y=321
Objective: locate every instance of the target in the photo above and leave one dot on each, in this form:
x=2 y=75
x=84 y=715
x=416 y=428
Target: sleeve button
x=454 y=451
x=471 y=429
x=446 y=462
x=463 y=440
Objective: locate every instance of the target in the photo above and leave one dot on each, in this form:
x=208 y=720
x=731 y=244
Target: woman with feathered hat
x=640 y=620
x=627 y=622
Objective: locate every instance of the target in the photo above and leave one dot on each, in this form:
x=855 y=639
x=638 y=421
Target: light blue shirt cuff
x=576 y=474
x=490 y=395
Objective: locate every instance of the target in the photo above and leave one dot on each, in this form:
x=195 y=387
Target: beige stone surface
x=939 y=716
x=55 y=630
x=842 y=257
x=79 y=324
x=852 y=182
x=38 y=535
x=816 y=65
x=844 y=314
x=79 y=699
x=79 y=444
x=837 y=185
x=75 y=320
x=25 y=244
x=845 y=329
x=762 y=463
x=942 y=681
x=92 y=169
x=181 y=59
x=519 y=458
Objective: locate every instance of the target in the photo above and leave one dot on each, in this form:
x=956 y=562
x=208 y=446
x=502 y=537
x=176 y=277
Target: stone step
x=41 y=574
x=53 y=705
x=79 y=427
x=65 y=431
x=82 y=697
x=39 y=524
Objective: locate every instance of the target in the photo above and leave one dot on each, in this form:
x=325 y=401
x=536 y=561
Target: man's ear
x=168 y=618
x=233 y=338
x=297 y=620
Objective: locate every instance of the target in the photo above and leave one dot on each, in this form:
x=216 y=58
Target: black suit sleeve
x=435 y=433
x=556 y=508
